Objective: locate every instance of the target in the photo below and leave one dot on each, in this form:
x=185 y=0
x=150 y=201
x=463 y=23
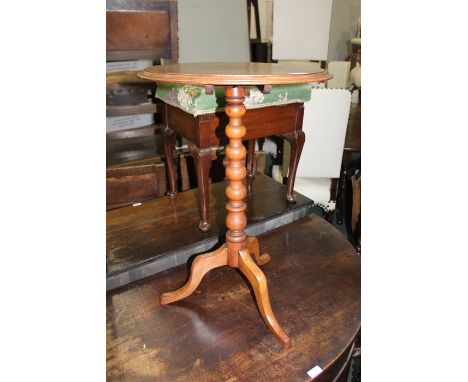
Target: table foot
x=201 y=265
x=204 y=226
x=258 y=281
x=296 y=140
x=254 y=249
x=291 y=198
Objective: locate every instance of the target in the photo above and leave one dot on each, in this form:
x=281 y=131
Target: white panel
x=301 y=29
x=325 y=121
x=317 y=189
x=213 y=30
x=340 y=72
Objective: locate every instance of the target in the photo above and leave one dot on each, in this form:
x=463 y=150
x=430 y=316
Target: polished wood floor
x=217 y=333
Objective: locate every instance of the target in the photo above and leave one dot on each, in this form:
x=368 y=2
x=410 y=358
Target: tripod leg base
x=259 y=284
x=254 y=249
x=201 y=265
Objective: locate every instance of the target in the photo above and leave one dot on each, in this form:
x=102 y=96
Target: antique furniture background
x=325 y=120
x=314 y=281
x=135 y=167
x=141 y=30
x=237 y=250
x=203 y=126
x=350 y=161
x=134 y=182
x=138 y=34
x=356 y=211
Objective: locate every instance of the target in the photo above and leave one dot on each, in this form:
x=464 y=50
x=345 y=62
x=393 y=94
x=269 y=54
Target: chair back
x=340 y=72
x=325 y=121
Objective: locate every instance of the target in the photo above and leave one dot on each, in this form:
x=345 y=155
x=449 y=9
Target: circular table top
x=236 y=73
x=217 y=334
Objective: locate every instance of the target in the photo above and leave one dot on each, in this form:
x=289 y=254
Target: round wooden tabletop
x=243 y=73
x=217 y=333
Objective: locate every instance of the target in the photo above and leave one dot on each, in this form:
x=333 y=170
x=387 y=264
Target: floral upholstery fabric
x=193 y=99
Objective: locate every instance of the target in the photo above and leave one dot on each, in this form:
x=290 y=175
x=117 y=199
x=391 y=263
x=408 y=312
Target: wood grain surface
x=159 y=226
x=217 y=334
x=225 y=73
x=138 y=29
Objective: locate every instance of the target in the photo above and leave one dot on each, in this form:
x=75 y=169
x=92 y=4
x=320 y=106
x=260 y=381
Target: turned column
x=235 y=173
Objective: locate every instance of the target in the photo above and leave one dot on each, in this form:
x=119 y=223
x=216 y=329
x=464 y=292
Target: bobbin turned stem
x=235 y=173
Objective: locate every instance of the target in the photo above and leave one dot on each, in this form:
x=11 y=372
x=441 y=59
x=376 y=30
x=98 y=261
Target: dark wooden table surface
x=216 y=334
x=159 y=226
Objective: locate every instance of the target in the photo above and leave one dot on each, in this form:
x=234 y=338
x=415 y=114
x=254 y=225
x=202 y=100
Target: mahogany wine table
x=237 y=250
x=314 y=281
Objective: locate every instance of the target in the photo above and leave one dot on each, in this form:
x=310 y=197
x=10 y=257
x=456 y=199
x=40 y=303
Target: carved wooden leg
x=261 y=141
x=297 y=143
x=259 y=284
x=254 y=249
x=201 y=265
x=341 y=197
x=251 y=159
x=169 y=142
x=202 y=158
x=333 y=196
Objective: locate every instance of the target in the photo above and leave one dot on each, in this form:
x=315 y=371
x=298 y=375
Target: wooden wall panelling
x=141 y=30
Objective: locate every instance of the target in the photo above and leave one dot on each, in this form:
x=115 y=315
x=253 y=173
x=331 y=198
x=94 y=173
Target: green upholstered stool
x=193 y=99
x=199 y=117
